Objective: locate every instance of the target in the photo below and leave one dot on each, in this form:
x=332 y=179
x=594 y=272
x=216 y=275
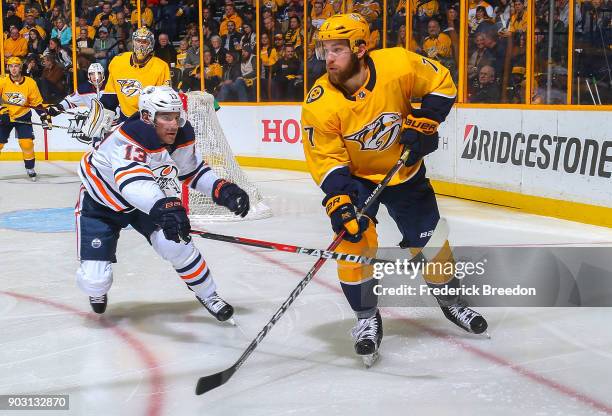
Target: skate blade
x=231 y=322
x=486 y=334
x=370 y=359
x=33 y=179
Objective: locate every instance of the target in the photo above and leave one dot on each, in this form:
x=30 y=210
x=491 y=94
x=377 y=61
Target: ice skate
x=465 y=318
x=31 y=174
x=368 y=334
x=98 y=303
x=218 y=308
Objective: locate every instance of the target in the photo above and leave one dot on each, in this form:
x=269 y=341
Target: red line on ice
x=155 y=404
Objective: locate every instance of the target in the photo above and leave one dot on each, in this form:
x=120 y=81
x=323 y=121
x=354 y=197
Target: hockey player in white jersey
x=130 y=179
x=85 y=92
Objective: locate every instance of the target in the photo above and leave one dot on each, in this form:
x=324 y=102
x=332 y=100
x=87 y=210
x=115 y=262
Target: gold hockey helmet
x=351 y=26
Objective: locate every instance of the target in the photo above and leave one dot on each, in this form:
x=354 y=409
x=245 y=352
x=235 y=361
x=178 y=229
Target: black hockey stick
x=314 y=252
x=212 y=381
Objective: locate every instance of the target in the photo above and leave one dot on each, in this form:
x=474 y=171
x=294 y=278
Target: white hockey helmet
x=143 y=43
x=98 y=71
x=161 y=99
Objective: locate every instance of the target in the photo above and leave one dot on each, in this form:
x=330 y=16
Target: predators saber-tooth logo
x=130 y=87
x=378 y=134
x=15 y=98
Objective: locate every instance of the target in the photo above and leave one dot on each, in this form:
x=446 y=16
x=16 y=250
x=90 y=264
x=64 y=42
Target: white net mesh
x=215 y=150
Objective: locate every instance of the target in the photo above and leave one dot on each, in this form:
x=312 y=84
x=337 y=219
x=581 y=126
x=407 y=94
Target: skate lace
x=97 y=299
x=214 y=303
x=365 y=329
x=462 y=313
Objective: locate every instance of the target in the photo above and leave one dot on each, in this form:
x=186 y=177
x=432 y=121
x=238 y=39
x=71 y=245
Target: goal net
x=212 y=145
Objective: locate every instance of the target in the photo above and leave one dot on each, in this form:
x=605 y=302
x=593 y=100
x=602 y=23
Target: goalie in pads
x=131 y=180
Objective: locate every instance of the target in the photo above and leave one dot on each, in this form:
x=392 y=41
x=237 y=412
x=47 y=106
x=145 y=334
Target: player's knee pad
x=27 y=148
x=440 y=269
x=354 y=272
x=95 y=277
x=179 y=254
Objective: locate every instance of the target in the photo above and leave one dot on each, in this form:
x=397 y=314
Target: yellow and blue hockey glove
x=420 y=134
x=343 y=216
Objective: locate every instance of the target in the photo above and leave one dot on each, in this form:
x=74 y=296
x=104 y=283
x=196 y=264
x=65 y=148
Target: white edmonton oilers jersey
x=81 y=98
x=132 y=169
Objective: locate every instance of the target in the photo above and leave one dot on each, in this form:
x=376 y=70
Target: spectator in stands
x=212 y=73
x=483 y=22
x=422 y=13
x=472 y=10
x=230 y=15
x=63 y=32
x=437 y=45
x=518 y=21
x=123 y=31
x=15 y=45
x=248 y=36
x=486 y=90
x=106 y=23
x=52 y=82
x=36 y=44
x=217 y=50
x=181 y=54
x=480 y=57
x=82 y=24
x=147 y=17
x=232 y=84
x=231 y=40
x=319 y=14
x=209 y=21
x=401 y=37
x=497 y=52
x=279 y=42
x=294 y=35
x=164 y=49
x=30 y=24
x=167 y=16
x=106 y=11
x=248 y=64
x=32 y=69
x=288 y=78
x=105 y=47
x=192 y=59
x=268 y=57
x=12 y=19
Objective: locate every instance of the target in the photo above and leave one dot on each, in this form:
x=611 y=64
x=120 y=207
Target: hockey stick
x=40 y=124
x=315 y=252
x=212 y=381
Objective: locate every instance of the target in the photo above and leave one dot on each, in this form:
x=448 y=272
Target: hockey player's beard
x=340 y=77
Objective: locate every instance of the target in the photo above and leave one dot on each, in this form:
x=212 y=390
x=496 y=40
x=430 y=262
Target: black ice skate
x=465 y=318
x=218 y=308
x=98 y=303
x=31 y=174
x=368 y=334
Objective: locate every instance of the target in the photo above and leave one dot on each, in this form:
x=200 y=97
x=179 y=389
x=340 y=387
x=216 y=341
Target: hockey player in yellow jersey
x=356 y=120
x=19 y=94
x=130 y=72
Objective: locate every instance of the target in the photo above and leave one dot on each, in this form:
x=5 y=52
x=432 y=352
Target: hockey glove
x=55 y=110
x=45 y=120
x=170 y=215
x=420 y=134
x=231 y=196
x=343 y=216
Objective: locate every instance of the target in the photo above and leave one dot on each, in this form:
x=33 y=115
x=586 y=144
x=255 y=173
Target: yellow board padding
x=573 y=211
x=567 y=210
x=367 y=246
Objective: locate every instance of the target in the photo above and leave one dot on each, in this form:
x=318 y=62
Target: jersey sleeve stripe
x=199 y=176
x=134 y=179
x=190 y=174
x=130 y=166
x=189 y=143
x=99 y=186
x=131 y=172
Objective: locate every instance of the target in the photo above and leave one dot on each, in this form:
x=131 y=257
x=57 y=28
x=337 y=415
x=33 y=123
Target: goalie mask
x=95 y=74
x=162 y=99
x=143 y=42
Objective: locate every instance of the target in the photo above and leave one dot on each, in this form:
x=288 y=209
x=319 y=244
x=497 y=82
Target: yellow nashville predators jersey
x=362 y=131
x=126 y=79
x=23 y=95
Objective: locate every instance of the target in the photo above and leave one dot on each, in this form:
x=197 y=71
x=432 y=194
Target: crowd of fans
x=39 y=31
